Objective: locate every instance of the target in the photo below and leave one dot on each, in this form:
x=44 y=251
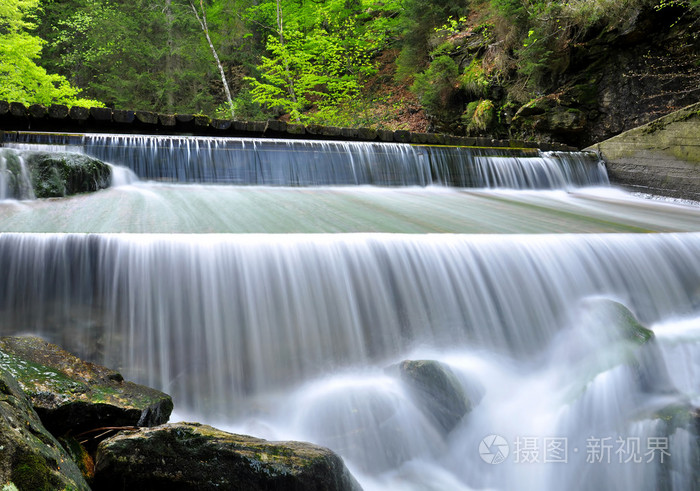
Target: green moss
x=30 y=473
x=473 y=80
x=62 y=174
x=634 y=331
x=36 y=379
x=480 y=115
x=585 y=94
x=80 y=456
x=30 y=374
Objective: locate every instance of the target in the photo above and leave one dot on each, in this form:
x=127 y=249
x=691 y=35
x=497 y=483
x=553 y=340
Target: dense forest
x=567 y=70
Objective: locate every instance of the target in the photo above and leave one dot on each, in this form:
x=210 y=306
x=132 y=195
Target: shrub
x=479 y=115
x=473 y=80
x=436 y=87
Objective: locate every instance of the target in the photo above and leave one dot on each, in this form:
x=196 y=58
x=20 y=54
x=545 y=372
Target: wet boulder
x=612 y=337
x=435 y=390
x=57 y=174
x=30 y=457
x=71 y=395
x=191 y=456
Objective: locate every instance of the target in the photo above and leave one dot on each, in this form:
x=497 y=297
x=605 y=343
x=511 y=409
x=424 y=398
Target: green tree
x=146 y=54
x=318 y=58
x=418 y=21
x=21 y=79
x=437 y=86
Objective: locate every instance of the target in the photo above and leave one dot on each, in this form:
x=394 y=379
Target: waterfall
x=257 y=312
x=277 y=162
x=287 y=310
x=15 y=181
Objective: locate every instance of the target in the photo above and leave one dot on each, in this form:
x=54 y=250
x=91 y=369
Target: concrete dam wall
x=661 y=157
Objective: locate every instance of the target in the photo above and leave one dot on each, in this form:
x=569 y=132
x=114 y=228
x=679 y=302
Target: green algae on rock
x=191 y=456
x=31 y=459
x=436 y=389
x=70 y=394
x=57 y=174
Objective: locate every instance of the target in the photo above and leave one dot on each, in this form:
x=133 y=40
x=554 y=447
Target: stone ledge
x=60 y=118
x=661 y=157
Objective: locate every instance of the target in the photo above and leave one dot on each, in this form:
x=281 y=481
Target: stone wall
x=59 y=118
x=661 y=157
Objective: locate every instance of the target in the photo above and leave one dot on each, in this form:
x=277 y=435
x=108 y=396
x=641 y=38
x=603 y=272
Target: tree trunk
x=169 y=70
x=203 y=23
x=280 y=30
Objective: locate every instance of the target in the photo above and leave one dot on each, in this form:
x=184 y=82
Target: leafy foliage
x=21 y=79
x=344 y=62
x=473 y=79
x=317 y=64
x=145 y=54
x=480 y=115
x=436 y=86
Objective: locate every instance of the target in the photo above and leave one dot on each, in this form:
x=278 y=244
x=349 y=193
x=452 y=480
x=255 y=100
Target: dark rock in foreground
x=30 y=458
x=436 y=390
x=190 y=456
x=71 y=395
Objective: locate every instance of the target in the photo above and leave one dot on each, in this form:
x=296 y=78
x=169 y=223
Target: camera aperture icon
x=494 y=449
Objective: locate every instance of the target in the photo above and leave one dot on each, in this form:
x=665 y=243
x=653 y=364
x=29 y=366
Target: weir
x=276 y=162
x=282 y=310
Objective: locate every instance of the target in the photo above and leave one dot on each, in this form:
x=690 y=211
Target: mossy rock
x=564 y=120
x=435 y=390
x=534 y=107
x=190 y=456
x=619 y=340
x=31 y=458
x=57 y=174
x=621 y=320
x=80 y=455
x=70 y=394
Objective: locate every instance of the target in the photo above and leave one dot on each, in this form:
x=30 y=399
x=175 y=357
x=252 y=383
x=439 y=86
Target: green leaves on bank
x=21 y=79
x=317 y=58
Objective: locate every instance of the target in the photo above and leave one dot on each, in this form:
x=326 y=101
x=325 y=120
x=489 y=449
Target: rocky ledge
x=195 y=456
x=69 y=424
x=73 y=396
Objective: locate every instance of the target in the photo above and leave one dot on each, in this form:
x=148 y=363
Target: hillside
x=573 y=72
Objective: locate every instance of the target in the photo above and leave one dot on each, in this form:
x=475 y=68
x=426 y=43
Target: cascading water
x=15 y=182
x=273 y=162
x=298 y=336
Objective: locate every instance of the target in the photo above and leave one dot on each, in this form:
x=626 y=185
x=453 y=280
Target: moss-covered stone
x=435 y=389
x=70 y=394
x=57 y=174
x=618 y=340
x=31 y=459
x=190 y=456
x=79 y=454
x=31 y=472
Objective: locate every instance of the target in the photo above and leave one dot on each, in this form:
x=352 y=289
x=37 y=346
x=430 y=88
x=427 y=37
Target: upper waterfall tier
x=318 y=163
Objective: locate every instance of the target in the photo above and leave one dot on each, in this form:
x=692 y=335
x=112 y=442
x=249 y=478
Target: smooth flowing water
x=282 y=312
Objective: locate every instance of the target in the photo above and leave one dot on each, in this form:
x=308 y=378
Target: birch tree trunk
x=290 y=79
x=203 y=23
x=169 y=69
